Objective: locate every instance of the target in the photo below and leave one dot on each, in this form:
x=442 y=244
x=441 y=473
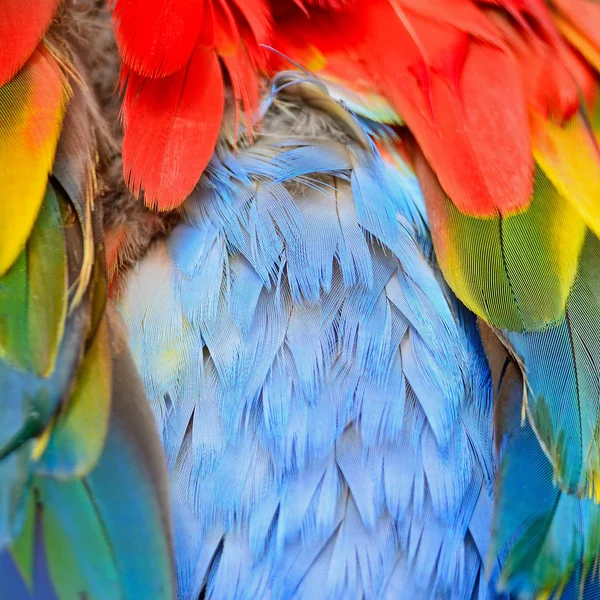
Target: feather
x=79 y=432
x=551 y=532
x=15 y=473
x=548 y=531
x=483 y=259
x=509 y=384
x=584 y=19
x=554 y=79
x=27 y=578
x=33 y=399
x=22 y=551
x=33 y=296
x=563 y=388
x=99 y=529
x=84 y=519
x=170 y=339
x=158 y=115
x=74 y=169
x=258 y=16
x=293 y=84
x=579 y=35
x=330 y=4
x=316 y=330
x=157 y=38
x=27 y=144
x=72 y=530
x=441 y=78
x=570 y=157
x=549 y=92
x=174 y=98
x=22 y=32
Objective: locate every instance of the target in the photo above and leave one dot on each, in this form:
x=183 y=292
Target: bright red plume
x=454 y=83
x=21 y=29
x=174 y=54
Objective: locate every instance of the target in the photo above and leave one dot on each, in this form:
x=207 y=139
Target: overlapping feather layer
x=323 y=408
x=82 y=486
x=500 y=97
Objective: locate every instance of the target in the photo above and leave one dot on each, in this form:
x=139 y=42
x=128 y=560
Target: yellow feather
x=569 y=157
x=32 y=106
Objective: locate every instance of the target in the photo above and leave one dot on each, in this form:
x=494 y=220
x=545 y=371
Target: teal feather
x=84 y=508
x=561 y=366
x=546 y=519
x=99 y=531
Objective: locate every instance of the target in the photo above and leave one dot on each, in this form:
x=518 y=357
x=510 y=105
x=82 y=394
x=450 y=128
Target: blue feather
x=325 y=432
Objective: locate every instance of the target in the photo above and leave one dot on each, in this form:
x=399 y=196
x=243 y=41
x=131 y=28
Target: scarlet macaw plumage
x=357 y=269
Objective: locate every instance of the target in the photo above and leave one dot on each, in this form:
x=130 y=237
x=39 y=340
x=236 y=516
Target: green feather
x=107 y=534
x=15 y=472
x=515 y=272
x=33 y=295
x=79 y=433
x=78 y=551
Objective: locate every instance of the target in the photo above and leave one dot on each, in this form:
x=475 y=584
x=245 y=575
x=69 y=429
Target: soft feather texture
x=160 y=114
x=103 y=535
x=561 y=365
x=321 y=412
x=570 y=157
x=31 y=322
x=479 y=88
x=322 y=396
x=584 y=21
x=550 y=535
x=157 y=38
x=546 y=520
x=576 y=22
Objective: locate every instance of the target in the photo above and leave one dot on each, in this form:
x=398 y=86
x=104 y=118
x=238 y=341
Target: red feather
x=585 y=16
x=172 y=128
x=157 y=37
x=258 y=16
x=329 y=4
x=236 y=43
x=549 y=88
x=528 y=12
x=172 y=122
x=460 y=95
x=461 y=14
x=21 y=29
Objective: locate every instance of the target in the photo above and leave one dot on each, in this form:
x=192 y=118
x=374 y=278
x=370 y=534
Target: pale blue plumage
x=323 y=404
